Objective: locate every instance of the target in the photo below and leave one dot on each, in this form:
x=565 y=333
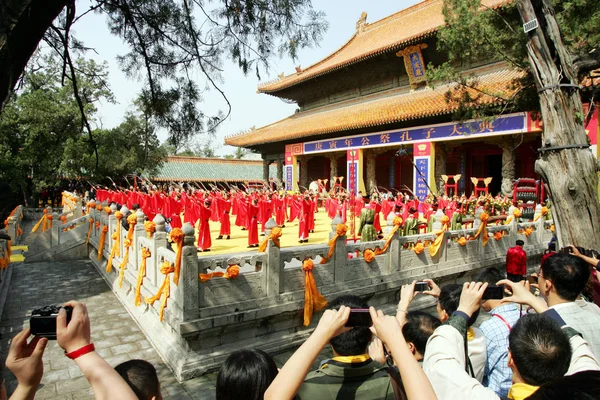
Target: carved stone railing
x=14 y=224
x=262 y=307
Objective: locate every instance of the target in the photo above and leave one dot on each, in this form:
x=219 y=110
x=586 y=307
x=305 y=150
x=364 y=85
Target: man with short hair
x=418 y=328
x=351 y=373
x=141 y=377
x=561 y=280
x=541 y=349
x=516 y=262
x=497 y=375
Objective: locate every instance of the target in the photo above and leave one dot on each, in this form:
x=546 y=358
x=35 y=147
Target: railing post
x=274 y=267
x=159 y=240
x=11 y=228
x=55 y=229
x=340 y=254
x=138 y=231
x=189 y=284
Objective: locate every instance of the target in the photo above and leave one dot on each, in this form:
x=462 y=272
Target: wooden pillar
x=304 y=170
x=280 y=171
x=266 y=164
x=440 y=166
x=371 y=177
x=508 y=166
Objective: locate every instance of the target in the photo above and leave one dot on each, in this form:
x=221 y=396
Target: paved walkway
x=116 y=336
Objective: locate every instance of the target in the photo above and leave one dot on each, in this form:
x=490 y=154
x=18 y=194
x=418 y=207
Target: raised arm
x=416 y=384
x=74 y=338
x=290 y=377
x=24 y=360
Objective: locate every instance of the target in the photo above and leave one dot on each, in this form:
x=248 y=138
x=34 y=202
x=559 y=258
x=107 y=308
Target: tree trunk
x=22 y=26
x=571 y=173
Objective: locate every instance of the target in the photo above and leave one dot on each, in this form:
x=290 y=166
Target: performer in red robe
x=252 y=223
x=280 y=209
x=224 y=209
x=204 y=241
x=303 y=226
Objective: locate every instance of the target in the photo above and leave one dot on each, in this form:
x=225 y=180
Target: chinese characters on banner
x=507 y=124
x=422 y=155
x=352 y=158
x=289 y=184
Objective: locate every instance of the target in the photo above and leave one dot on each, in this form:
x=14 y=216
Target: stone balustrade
x=263 y=306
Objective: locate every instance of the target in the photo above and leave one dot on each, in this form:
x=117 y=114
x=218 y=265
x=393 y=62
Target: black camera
x=43 y=320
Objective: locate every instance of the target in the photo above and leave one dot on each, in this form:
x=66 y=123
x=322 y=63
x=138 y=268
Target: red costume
x=252 y=224
x=303 y=226
x=204 y=241
x=224 y=209
x=516 y=261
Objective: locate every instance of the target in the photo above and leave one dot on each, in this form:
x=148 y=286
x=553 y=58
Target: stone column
x=392 y=182
x=280 y=163
x=192 y=292
x=508 y=166
x=266 y=164
x=440 y=167
x=371 y=178
x=303 y=170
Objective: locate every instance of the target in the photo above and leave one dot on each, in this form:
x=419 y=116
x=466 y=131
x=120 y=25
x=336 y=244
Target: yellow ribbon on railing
x=63 y=219
x=116 y=236
x=543 y=213
x=484 y=217
x=131 y=220
x=87 y=241
x=435 y=247
x=340 y=230
x=528 y=231
x=102 y=241
x=141 y=275
x=150 y=228
x=275 y=234
x=516 y=214
x=49 y=218
x=98 y=224
x=462 y=241
x=498 y=235
x=177 y=236
x=313 y=300
x=369 y=255
x=40 y=222
x=232 y=272
x=165 y=289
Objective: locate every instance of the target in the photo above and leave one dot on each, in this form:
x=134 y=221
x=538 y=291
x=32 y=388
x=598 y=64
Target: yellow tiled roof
x=392 y=32
x=593 y=79
x=381 y=109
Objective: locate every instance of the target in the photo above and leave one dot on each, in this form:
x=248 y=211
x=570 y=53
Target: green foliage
x=171 y=40
x=474 y=35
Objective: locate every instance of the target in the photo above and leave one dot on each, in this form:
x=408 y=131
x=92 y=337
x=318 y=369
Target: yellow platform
x=239 y=238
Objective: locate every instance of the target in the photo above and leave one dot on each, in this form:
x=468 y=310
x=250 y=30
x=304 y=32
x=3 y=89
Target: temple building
x=367 y=113
x=208 y=171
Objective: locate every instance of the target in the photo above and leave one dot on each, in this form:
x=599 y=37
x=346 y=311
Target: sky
x=249 y=109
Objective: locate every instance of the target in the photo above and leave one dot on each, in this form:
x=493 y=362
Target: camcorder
x=43 y=320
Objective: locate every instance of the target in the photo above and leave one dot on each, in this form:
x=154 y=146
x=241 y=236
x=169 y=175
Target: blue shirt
x=497 y=375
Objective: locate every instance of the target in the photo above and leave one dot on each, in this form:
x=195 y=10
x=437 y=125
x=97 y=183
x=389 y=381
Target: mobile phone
x=567 y=249
x=493 y=293
x=359 y=317
x=532 y=279
x=421 y=286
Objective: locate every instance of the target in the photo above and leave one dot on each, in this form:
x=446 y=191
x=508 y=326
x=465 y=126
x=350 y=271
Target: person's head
x=562 y=278
x=418 y=328
x=552 y=246
x=582 y=386
x=356 y=340
x=520 y=243
x=246 y=374
x=135 y=206
x=490 y=276
x=538 y=350
x=448 y=302
x=141 y=377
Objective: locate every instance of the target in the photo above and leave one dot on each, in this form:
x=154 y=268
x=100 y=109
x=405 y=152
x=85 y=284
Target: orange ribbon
x=87 y=241
x=313 y=300
x=176 y=236
x=107 y=210
x=141 y=275
x=484 y=217
x=42 y=220
x=498 y=235
x=63 y=219
x=165 y=289
x=369 y=255
x=340 y=230
x=528 y=231
x=232 y=272
x=275 y=234
x=419 y=248
x=131 y=220
x=150 y=228
x=516 y=214
x=544 y=212
x=435 y=247
x=49 y=217
x=102 y=241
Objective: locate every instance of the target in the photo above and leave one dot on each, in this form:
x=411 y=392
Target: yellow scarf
x=520 y=391
x=349 y=359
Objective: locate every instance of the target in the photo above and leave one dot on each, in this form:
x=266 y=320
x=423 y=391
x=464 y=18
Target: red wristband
x=88 y=348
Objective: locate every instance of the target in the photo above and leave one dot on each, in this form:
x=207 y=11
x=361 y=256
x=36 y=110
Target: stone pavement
x=116 y=336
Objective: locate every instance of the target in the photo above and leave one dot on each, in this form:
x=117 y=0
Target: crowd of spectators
x=539 y=341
